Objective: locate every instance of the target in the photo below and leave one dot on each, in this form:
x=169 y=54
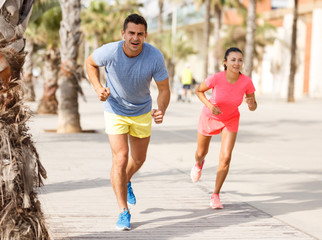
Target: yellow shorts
x=139 y=126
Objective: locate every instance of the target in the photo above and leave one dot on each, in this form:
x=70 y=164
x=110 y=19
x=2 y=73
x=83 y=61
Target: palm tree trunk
x=70 y=35
x=206 y=37
x=250 y=37
x=171 y=72
x=48 y=103
x=27 y=72
x=20 y=211
x=217 y=28
x=160 y=24
x=160 y=20
x=290 y=95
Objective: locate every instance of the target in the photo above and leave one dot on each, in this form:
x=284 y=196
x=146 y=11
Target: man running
x=130 y=65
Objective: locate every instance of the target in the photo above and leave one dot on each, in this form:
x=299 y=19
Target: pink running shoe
x=196 y=172
x=215 y=202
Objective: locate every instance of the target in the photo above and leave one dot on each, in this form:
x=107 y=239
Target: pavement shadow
x=98 y=136
x=67 y=186
x=298 y=197
x=190 y=222
x=159 y=136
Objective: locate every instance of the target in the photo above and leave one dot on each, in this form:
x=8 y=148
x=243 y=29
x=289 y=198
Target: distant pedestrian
x=220 y=115
x=130 y=65
x=186 y=80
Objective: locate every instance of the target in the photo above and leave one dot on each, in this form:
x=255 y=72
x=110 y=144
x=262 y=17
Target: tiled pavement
x=79 y=202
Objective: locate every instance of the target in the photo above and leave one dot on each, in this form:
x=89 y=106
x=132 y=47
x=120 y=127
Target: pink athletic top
x=227 y=96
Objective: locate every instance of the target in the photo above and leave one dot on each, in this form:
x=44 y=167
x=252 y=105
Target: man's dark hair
x=135 y=18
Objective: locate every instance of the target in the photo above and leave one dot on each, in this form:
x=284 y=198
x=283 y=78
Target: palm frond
x=40 y=7
x=105 y=21
x=25 y=10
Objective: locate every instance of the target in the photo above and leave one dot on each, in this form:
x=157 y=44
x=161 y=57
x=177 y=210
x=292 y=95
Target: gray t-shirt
x=129 y=78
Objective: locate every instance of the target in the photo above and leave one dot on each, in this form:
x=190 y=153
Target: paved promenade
x=273 y=190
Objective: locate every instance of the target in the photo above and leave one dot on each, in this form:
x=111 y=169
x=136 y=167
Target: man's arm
x=93 y=75
x=162 y=100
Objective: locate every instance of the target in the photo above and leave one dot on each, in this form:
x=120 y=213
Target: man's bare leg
x=120 y=152
x=139 y=148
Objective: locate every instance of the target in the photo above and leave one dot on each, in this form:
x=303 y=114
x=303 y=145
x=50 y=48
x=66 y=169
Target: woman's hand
x=200 y=92
x=251 y=102
x=215 y=110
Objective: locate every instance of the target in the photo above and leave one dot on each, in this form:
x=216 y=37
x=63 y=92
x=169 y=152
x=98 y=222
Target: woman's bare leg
x=202 y=148
x=228 y=140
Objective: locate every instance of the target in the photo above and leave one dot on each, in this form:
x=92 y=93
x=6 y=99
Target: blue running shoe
x=131 y=200
x=123 y=223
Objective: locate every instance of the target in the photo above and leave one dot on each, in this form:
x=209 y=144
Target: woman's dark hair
x=135 y=18
x=229 y=50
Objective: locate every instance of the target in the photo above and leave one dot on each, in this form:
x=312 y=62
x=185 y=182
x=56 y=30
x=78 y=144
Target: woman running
x=221 y=115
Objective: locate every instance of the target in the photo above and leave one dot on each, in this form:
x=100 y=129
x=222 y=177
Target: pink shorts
x=208 y=126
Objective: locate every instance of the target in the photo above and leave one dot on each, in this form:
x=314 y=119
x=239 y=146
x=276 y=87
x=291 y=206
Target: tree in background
x=218 y=12
x=20 y=169
x=250 y=38
x=206 y=35
x=48 y=103
x=160 y=19
x=173 y=50
x=236 y=37
x=27 y=72
x=290 y=94
x=39 y=8
x=70 y=37
x=48 y=39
